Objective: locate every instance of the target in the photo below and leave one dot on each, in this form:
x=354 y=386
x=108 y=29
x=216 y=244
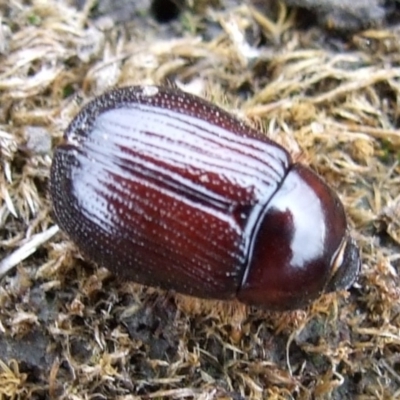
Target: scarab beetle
x=165 y=189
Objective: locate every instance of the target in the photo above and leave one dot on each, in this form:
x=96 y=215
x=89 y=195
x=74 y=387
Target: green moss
x=34 y=19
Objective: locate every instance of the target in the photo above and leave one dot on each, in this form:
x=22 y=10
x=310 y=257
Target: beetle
x=168 y=190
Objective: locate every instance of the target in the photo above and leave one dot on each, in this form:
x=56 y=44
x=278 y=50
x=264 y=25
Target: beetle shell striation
x=168 y=190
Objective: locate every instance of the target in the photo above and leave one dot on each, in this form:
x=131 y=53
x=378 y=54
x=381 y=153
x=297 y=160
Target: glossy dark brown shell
x=167 y=190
